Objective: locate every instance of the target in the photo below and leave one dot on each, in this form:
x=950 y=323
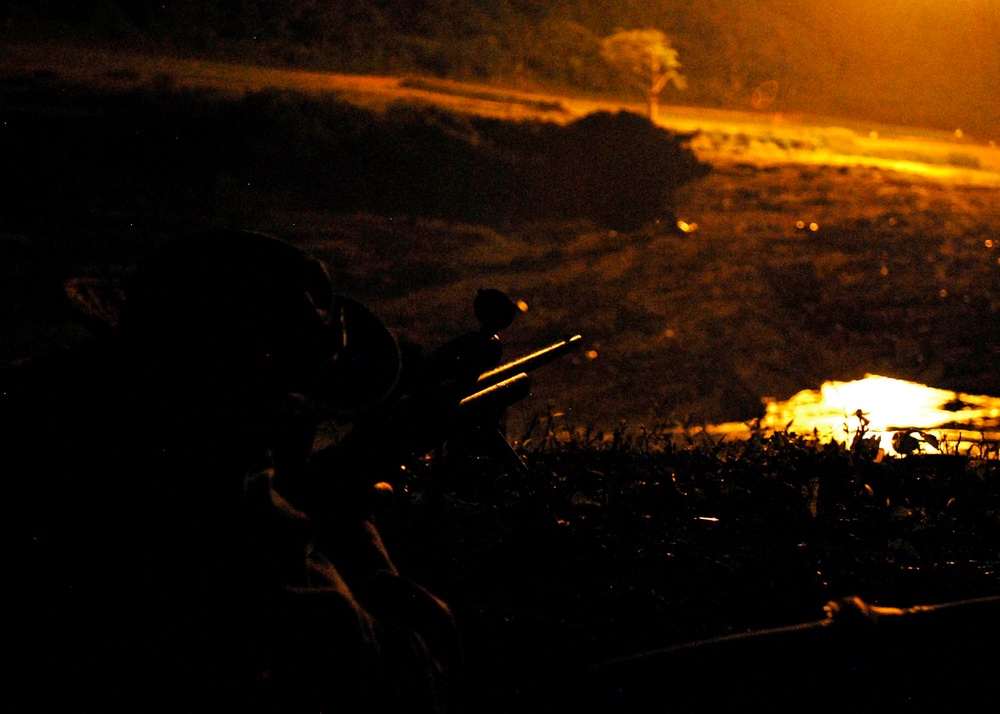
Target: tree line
x=897 y=60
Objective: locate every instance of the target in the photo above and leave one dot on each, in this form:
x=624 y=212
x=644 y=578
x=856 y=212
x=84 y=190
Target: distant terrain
x=931 y=64
x=898 y=277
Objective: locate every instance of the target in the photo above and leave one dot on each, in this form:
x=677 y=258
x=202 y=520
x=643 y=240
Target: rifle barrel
x=530 y=362
x=492 y=400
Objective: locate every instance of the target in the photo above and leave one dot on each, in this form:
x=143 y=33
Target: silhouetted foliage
x=654 y=539
x=619 y=170
x=616 y=170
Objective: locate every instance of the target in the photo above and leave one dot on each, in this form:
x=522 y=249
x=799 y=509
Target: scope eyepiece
x=494 y=309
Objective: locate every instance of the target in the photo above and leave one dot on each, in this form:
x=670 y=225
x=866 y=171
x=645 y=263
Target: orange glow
x=887 y=405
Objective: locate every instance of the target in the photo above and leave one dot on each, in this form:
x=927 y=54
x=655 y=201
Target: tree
x=645 y=56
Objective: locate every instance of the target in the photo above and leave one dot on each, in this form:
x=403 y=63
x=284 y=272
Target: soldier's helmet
x=244 y=311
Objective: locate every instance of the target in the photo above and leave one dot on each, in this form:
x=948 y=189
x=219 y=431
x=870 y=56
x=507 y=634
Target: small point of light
x=884 y=271
x=669 y=333
x=814 y=227
x=959 y=133
x=687 y=227
x=943 y=293
x=801 y=225
x=522 y=306
x=989 y=243
x=592 y=354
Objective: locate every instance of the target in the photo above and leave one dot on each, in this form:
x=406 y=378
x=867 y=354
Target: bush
x=619 y=170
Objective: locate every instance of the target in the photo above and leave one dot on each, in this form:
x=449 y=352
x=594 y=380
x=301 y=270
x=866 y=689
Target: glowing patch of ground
x=885 y=406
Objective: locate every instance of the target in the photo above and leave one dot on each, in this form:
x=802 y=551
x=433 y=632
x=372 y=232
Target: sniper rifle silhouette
x=393 y=400
x=400 y=402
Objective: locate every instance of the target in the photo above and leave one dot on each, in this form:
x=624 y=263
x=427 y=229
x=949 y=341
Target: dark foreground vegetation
x=605 y=548
x=598 y=554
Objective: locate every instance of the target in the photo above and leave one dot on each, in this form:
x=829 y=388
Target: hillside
x=689 y=325
x=924 y=63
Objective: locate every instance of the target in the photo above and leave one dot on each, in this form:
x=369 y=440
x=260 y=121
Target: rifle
x=452 y=399
x=502 y=387
x=509 y=383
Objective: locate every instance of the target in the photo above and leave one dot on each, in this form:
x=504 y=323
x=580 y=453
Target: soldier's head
x=244 y=313
x=231 y=309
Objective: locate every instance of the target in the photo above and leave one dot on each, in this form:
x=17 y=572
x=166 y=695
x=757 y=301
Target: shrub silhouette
x=618 y=170
x=162 y=148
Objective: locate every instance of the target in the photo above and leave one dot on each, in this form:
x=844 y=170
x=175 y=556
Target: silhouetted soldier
x=154 y=565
